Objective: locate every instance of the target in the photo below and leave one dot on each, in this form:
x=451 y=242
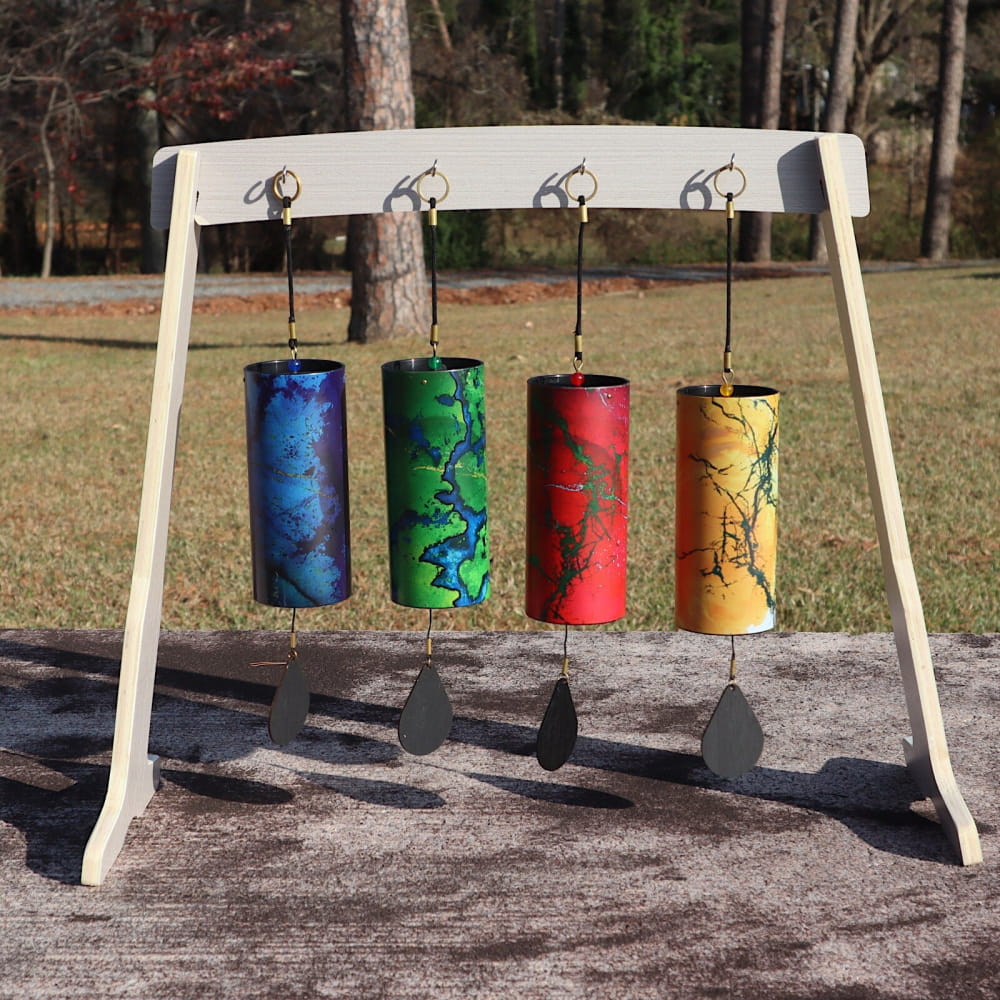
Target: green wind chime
x=435 y=462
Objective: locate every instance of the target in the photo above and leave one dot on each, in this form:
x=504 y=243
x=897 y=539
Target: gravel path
x=33 y=293
x=21 y=294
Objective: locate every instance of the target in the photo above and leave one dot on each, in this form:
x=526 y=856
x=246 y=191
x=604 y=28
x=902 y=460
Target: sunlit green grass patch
x=75 y=403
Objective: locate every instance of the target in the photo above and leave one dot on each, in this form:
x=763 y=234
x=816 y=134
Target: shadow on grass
x=123 y=345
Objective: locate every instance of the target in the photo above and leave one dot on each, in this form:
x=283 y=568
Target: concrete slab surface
x=340 y=866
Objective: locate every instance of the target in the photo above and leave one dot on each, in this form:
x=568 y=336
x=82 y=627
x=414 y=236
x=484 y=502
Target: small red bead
x=577 y=378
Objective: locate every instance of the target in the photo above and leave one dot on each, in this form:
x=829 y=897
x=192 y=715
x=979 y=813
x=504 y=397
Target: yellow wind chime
x=726 y=520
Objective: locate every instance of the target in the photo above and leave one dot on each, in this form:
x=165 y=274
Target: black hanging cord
x=726 y=388
x=278 y=181
x=730 y=215
x=293 y=646
x=578 y=332
x=731 y=171
x=286 y=218
x=577 y=378
x=432 y=225
x=432 y=221
x=428 y=644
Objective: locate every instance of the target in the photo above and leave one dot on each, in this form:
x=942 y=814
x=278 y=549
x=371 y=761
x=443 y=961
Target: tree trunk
x=864 y=87
x=751 y=61
x=389 y=296
x=153 y=242
x=558 y=48
x=874 y=30
x=944 y=148
x=50 y=188
x=751 y=79
x=838 y=96
x=772 y=63
x=442 y=25
x=763 y=24
x=845 y=41
x=883 y=27
x=20 y=236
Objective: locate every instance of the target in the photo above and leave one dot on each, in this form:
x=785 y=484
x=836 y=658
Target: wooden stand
x=647 y=167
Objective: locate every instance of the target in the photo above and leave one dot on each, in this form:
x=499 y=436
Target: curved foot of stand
x=124 y=802
x=956 y=820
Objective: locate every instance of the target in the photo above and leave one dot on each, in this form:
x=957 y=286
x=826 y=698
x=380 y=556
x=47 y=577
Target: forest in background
x=89 y=89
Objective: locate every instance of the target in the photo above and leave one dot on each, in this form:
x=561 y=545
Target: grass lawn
x=75 y=404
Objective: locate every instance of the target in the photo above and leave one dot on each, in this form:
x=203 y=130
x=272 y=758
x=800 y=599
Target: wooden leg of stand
x=134 y=773
x=927 y=751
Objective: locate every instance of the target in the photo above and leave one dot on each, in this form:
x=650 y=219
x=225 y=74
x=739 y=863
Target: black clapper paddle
x=733 y=739
x=426 y=718
x=558 y=731
x=290 y=704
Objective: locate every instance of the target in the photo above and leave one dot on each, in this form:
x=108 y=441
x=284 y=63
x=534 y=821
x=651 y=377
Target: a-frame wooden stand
x=645 y=167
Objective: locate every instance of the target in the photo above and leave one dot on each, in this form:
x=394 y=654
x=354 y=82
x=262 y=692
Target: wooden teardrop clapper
x=733 y=740
x=290 y=705
x=426 y=717
x=557 y=733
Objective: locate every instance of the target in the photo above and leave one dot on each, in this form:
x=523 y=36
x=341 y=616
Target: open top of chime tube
x=726 y=509
x=589 y=382
x=435 y=465
x=435 y=365
x=576 y=509
x=296 y=367
x=738 y=391
x=296 y=424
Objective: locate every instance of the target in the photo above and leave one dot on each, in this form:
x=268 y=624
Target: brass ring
x=576 y=173
x=433 y=172
x=730 y=167
x=279 y=179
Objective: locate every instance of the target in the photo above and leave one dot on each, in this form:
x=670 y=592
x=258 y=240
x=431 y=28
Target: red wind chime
x=576 y=542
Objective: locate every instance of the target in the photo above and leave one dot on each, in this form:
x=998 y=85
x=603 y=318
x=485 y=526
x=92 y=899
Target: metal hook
x=580 y=171
x=433 y=172
x=731 y=165
x=278 y=181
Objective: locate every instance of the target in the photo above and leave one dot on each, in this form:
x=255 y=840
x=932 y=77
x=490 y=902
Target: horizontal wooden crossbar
x=634 y=166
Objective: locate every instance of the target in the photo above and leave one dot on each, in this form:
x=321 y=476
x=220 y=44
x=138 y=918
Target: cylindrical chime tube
x=577 y=499
x=435 y=463
x=726 y=509
x=297 y=465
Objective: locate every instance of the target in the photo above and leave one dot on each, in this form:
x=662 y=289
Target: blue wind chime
x=296 y=430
